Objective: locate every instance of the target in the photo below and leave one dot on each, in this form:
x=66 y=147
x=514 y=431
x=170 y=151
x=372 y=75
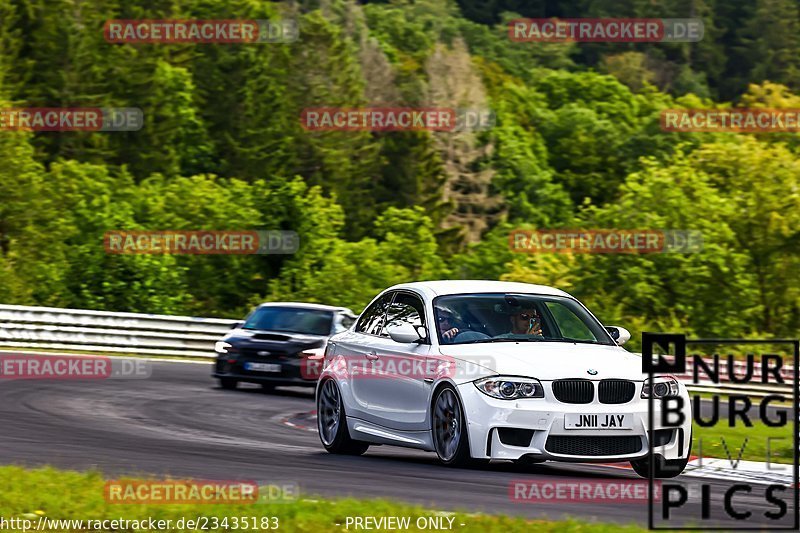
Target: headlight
x=662 y=386
x=510 y=388
x=225 y=347
x=313 y=352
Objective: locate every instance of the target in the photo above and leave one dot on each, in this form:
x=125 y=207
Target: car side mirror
x=236 y=325
x=619 y=334
x=405 y=334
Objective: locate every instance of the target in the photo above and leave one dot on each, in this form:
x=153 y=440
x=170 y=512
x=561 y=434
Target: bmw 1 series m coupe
x=482 y=370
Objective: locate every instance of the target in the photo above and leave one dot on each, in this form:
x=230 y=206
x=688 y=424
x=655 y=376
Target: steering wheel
x=466 y=336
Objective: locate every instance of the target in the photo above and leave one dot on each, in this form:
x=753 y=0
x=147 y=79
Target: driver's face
x=521 y=321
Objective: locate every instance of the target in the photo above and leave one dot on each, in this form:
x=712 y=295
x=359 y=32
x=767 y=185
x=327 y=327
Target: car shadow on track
x=288 y=392
x=376 y=457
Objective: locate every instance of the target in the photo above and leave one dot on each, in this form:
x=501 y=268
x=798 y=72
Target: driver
x=525 y=320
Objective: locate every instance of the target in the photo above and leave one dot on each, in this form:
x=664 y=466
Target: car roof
x=307 y=305
x=470 y=286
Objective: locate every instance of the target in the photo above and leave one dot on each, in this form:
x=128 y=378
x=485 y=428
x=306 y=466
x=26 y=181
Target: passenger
x=448 y=324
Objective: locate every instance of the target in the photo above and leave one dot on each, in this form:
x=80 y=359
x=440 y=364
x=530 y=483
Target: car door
x=353 y=352
x=396 y=386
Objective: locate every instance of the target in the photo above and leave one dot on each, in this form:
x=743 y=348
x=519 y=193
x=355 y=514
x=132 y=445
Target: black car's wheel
x=449 y=430
x=228 y=383
x=332 y=423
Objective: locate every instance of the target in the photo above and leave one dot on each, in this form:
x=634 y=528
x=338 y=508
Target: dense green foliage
x=577 y=144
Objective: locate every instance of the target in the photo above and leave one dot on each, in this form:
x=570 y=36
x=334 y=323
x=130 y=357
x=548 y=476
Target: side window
x=570 y=325
x=371 y=320
x=405 y=309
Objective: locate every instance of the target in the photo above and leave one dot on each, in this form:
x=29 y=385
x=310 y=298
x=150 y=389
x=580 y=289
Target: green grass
x=58 y=494
x=755 y=449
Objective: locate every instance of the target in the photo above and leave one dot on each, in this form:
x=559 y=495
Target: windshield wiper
x=576 y=341
x=504 y=339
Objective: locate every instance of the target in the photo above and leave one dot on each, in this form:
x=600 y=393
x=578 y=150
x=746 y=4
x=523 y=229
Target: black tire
x=228 y=383
x=332 y=422
x=449 y=430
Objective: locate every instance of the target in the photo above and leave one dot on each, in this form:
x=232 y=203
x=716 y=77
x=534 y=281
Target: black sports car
x=279 y=344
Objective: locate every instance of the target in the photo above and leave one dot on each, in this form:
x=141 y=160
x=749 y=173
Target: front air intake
x=593 y=446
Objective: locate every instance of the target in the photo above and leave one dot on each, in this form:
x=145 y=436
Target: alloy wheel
x=447 y=425
x=328 y=411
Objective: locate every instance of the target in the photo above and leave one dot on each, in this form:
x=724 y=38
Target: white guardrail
x=137 y=333
x=101 y=331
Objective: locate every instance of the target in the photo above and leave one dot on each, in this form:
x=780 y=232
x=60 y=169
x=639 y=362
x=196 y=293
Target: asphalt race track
x=179 y=423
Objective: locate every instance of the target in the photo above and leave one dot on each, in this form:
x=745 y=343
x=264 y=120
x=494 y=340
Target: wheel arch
x=441 y=384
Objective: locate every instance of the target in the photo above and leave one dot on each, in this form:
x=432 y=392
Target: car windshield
x=500 y=317
x=291 y=320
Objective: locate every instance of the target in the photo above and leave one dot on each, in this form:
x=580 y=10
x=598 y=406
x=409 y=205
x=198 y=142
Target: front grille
x=593 y=446
x=616 y=391
x=573 y=390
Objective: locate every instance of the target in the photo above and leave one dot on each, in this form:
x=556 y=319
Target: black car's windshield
x=499 y=317
x=291 y=320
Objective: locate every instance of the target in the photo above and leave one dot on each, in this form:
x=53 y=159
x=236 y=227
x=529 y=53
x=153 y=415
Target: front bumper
x=535 y=428
x=293 y=370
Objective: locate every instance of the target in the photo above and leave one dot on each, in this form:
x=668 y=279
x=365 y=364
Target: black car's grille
x=616 y=391
x=573 y=390
x=262 y=356
x=593 y=446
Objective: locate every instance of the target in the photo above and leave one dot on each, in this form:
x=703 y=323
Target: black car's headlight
x=662 y=387
x=225 y=348
x=510 y=388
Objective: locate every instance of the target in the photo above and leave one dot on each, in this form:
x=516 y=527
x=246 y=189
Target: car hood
x=279 y=342
x=550 y=360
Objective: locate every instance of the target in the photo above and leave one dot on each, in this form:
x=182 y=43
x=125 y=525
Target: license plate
x=262 y=367
x=597 y=421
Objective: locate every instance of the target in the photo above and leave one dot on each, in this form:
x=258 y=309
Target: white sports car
x=481 y=370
